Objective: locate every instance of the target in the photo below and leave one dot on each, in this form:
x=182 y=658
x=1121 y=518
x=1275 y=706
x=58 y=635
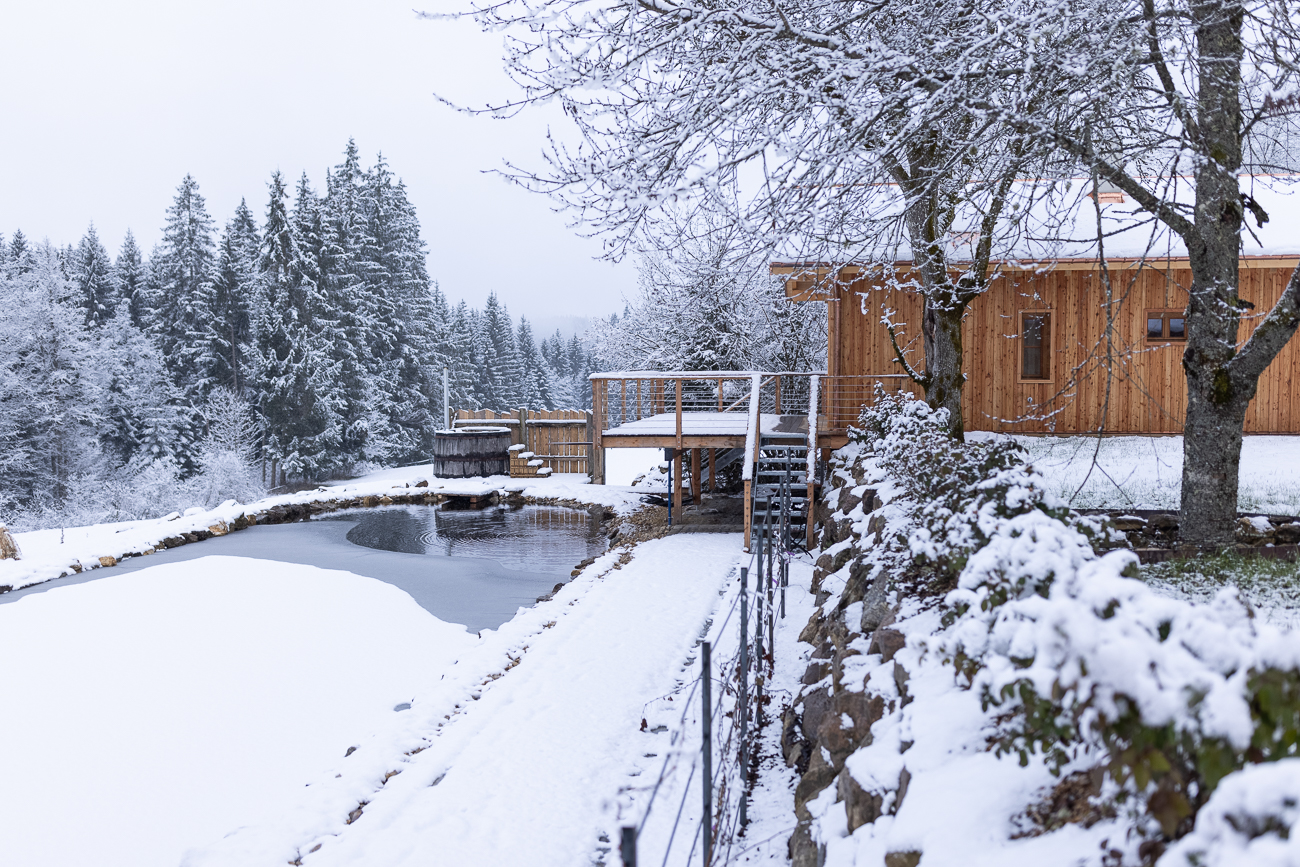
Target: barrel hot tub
x=471 y=451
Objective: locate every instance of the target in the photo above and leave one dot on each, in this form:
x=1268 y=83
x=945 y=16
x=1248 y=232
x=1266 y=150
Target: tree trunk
x=941 y=331
x=1218 y=391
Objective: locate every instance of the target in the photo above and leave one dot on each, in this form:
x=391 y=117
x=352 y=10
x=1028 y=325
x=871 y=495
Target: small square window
x=1166 y=326
x=1035 y=346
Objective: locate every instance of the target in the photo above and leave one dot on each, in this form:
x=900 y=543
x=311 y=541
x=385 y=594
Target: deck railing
x=840 y=399
x=623 y=397
x=627 y=396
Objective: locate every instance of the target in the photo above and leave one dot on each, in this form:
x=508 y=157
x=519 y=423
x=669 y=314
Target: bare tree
x=1214 y=98
x=818 y=127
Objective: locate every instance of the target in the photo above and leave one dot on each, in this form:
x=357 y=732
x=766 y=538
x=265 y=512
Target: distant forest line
x=312 y=340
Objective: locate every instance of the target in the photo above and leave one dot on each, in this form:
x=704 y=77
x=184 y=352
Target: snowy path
x=514 y=763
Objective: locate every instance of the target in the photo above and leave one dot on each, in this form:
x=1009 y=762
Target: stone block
x=8 y=547
x=861 y=807
x=887 y=642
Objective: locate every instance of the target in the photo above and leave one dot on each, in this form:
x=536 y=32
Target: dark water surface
x=529 y=538
x=471 y=567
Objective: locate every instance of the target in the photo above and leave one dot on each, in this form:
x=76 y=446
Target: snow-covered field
x=1134 y=472
x=204 y=713
x=514 y=755
x=151 y=712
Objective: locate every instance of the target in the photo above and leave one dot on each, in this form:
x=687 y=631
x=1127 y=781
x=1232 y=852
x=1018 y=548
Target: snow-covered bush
x=1077 y=664
x=1250 y=819
x=957 y=495
x=227 y=454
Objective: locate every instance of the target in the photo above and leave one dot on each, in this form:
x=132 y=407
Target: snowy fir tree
x=92 y=276
x=130 y=280
x=319 y=331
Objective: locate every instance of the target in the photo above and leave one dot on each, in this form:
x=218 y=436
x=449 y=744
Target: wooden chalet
x=1037 y=358
x=1046 y=351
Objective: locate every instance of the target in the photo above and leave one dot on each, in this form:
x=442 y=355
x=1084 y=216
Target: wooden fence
x=560 y=437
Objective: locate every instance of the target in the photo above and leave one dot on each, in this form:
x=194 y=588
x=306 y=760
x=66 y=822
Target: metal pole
x=771 y=624
x=446 y=403
x=758 y=617
x=785 y=529
x=742 y=704
x=628 y=847
x=706 y=693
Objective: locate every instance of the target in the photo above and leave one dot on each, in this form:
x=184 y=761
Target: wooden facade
x=560 y=437
x=1102 y=372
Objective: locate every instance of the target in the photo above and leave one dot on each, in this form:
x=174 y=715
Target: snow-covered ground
x=1135 y=472
x=204 y=713
x=151 y=712
x=515 y=754
x=622 y=466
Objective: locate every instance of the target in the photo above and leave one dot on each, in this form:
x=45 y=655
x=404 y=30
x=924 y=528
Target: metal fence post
x=627 y=848
x=742 y=703
x=758 y=620
x=706 y=693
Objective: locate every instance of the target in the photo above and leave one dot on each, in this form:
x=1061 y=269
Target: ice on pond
x=547 y=539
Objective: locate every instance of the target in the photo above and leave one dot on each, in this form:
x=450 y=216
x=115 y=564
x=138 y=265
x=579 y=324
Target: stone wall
x=833 y=713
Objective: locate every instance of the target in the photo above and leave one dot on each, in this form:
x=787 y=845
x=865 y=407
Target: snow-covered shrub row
x=955 y=496
x=1137 y=714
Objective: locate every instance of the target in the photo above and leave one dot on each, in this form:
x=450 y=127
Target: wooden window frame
x=1164 y=314
x=1046 y=348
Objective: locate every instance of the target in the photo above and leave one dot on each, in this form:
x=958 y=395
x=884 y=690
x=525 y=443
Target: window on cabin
x=1166 y=326
x=1035 y=345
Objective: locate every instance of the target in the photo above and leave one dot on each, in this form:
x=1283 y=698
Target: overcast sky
x=108 y=104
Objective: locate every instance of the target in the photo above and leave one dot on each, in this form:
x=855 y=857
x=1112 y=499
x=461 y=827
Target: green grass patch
x=1272 y=586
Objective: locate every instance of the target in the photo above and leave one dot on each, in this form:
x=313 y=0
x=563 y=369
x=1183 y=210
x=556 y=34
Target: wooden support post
x=677 y=482
x=677 y=465
x=749 y=513
x=679 y=414
x=697 y=470
x=627 y=845
x=812 y=511
x=638 y=400
x=778 y=393
x=719 y=394
x=595 y=429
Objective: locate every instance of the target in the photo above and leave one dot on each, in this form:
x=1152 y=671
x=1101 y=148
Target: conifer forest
x=301 y=339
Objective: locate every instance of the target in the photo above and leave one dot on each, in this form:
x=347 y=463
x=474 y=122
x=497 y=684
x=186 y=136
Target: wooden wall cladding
x=1118 y=382
x=560 y=437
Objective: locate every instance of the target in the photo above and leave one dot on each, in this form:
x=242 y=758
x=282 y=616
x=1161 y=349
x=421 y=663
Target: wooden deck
x=699 y=430
x=687 y=413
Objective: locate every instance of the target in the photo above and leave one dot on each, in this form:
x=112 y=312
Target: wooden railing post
x=596 y=428
x=677 y=466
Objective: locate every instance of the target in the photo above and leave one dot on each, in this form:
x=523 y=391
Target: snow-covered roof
x=1059 y=223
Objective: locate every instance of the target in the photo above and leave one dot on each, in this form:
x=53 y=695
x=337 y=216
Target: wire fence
x=729 y=696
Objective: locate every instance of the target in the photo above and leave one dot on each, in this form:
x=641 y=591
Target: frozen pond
x=475 y=568
x=550 y=539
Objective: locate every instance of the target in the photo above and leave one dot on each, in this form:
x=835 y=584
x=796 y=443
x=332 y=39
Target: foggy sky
x=108 y=104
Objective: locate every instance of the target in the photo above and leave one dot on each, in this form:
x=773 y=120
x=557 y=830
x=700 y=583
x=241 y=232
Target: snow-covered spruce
x=985 y=688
